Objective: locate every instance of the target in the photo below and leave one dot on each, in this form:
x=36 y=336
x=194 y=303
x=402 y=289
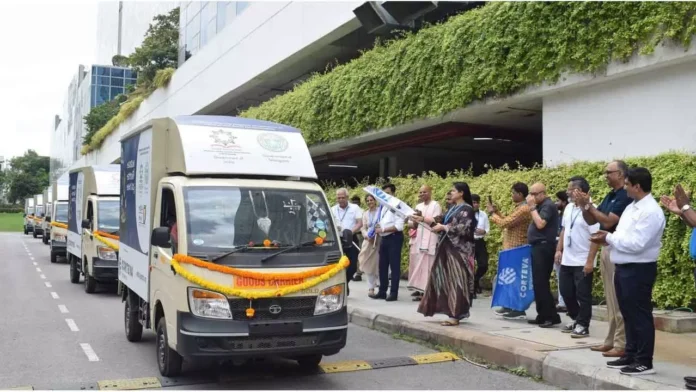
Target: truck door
x=87 y=237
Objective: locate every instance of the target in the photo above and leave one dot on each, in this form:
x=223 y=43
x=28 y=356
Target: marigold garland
x=257 y=294
x=59 y=225
x=99 y=235
x=251 y=274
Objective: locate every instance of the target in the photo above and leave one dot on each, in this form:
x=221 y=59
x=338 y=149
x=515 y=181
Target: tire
x=26 y=231
x=168 y=360
x=134 y=330
x=309 y=362
x=74 y=273
x=90 y=282
x=54 y=257
x=33 y=233
x=45 y=239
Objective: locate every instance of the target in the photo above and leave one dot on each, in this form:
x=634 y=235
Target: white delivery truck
x=39 y=214
x=227 y=247
x=46 y=221
x=28 y=215
x=59 y=218
x=93 y=213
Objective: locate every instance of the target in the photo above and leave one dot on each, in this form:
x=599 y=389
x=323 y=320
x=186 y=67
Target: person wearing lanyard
x=575 y=253
x=348 y=216
x=482 y=229
x=391 y=229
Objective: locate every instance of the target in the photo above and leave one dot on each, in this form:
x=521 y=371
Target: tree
x=28 y=176
x=100 y=115
x=159 y=49
x=119 y=60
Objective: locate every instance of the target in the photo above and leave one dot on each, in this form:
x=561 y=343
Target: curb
x=508 y=353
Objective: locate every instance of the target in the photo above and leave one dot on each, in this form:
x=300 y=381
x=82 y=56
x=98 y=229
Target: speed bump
x=345 y=366
x=130 y=384
x=435 y=358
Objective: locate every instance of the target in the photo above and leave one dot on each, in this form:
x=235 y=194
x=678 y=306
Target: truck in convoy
x=59 y=218
x=28 y=215
x=39 y=214
x=228 y=249
x=46 y=221
x=93 y=224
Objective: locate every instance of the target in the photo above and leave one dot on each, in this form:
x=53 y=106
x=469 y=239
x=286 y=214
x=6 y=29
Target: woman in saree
x=451 y=281
x=368 y=259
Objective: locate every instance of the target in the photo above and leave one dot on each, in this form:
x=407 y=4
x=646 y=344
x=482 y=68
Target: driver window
x=90 y=213
x=168 y=217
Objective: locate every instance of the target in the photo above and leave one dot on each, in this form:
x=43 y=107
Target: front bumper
x=58 y=246
x=200 y=337
x=104 y=270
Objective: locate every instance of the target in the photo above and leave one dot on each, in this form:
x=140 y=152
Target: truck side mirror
x=86 y=224
x=347 y=239
x=160 y=237
x=48 y=218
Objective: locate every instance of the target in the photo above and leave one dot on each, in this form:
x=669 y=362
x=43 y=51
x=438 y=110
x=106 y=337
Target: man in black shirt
x=608 y=214
x=541 y=235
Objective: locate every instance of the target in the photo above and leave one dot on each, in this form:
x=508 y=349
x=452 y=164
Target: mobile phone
x=490 y=201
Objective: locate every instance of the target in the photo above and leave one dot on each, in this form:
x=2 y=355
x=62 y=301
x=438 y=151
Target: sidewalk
x=554 y=356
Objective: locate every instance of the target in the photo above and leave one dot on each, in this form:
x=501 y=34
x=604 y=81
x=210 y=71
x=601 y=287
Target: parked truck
x=39 y=214
x=28 y=215
x=59 y=218
x=93 y=225
x=46 y=221
x=228 y=248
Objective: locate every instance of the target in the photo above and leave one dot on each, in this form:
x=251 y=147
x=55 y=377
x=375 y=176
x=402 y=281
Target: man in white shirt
x=635 y=247
x=348 y=216
x=575 y=253
x=480 y=249
x=391 y=229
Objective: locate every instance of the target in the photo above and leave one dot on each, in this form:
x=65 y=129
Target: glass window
x=117 y=72
x=241 y=6
x=115 y=91
x=208 y=12
x=222 y=7
x=231 y=12
x=127 y=73
x=101 y=71
x=192 y=44
x=193 y=28
x=209 y=32
x=118 y=82
x=192 y=11
x=103 y=94
x=94 y=79
x=104 y=80
x=61 y=213
x=108 y=216
x=94 y=70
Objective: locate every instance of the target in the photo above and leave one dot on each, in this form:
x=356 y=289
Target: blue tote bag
x=513 y=283
x=692 y=244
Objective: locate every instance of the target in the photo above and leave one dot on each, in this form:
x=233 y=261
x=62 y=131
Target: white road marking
x=72 y=325
x=43 y=276
x=91 y=355
x=63 y=309
x=48 y=284
x=31 y=258
x=54 y=295
x=38 y=269
x=35 y=263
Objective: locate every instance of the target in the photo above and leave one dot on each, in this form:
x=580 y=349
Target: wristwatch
x=587 y=206
x=686 y=207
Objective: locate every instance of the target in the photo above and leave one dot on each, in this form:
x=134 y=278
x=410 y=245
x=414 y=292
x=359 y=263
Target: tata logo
x=507 y=276
x=224 y=139
x=275 y=309
x=273 y=142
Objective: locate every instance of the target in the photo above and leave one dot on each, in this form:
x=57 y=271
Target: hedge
x=489 y=52
x=11 y=210
x=675 y=281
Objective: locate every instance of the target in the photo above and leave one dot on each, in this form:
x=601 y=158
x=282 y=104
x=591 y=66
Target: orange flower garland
x=59 y=225
x=107 y=235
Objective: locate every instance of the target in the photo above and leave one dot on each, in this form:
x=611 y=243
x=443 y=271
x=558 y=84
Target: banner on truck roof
x=134 y=247
x=255 y=149
x=74 y=245
x=107 y=178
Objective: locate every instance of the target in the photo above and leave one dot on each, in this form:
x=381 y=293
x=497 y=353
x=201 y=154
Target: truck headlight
x=204 y=303
x=59 y=238
x=330 y=300
x=106 y=253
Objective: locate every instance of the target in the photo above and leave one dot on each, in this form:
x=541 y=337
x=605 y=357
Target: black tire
x=33 y=233
x=90 y=282
x=45 y=239
x=168 y=360
x=309 y=362
x=74 y=273
x=26 y=231
x=134 y=330
x=54 y=257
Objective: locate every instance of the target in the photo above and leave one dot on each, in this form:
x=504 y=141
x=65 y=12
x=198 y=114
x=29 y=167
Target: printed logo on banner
x=507 y=276
x=273 y=142
x=223 y=139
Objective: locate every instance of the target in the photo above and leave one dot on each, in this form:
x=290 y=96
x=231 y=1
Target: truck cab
x=46 y=221
x=59 y=219
x=39 y=214
x=28 y=215
x=93 y=225
x=228 y=248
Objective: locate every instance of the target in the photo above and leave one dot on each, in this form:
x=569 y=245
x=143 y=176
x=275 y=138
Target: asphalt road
x=55 y=336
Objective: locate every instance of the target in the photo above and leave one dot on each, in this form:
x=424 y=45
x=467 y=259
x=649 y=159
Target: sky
x=43 y=45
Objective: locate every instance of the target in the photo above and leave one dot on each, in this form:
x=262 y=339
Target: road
x=55 y=336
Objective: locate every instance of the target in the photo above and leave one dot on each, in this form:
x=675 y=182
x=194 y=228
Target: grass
x=11 y=222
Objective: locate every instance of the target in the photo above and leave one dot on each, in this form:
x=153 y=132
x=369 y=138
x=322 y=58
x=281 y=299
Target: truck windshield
x=108 y=216
x=61 y=213
x=30 y=210
x=39 y=210
x=220 y=218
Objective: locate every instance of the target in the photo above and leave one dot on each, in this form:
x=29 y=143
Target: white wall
x=644 y=114
x=107 y=31
x=263 y=36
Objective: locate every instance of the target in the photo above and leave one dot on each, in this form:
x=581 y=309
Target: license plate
x=248 y=283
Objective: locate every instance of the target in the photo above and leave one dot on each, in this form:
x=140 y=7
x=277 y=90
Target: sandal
x=450 y=323
x=371 y=292
x=417 y=298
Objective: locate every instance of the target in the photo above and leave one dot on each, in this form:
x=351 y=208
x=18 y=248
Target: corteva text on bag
x=93 y=224
x=227 y=244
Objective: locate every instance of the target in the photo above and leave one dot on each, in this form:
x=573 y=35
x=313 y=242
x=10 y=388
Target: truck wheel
x=168 y=360
x=54 y=257
x=45 y=239
x=134 y=330
x=90 y=282
x=74 y=273
x=26 y=231
x=309 y=362
x=33 y=233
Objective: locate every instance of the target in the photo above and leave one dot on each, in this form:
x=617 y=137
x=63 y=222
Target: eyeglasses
x=609 y=172
x=535 y=193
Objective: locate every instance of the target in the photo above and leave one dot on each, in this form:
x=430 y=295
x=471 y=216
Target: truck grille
x=290 y=308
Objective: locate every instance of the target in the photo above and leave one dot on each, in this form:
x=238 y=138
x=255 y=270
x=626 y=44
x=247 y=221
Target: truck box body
x=100 y=180
x=60 y=188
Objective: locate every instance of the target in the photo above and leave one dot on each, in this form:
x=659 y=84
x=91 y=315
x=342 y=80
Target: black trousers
x=481 y=255
x=352 y=255
x=390 y=258
x=634 y=284
x=576 y=289
x=542 y=266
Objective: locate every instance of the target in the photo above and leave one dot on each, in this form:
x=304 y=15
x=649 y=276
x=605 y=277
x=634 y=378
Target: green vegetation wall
x=489 y=52
x=675 y=281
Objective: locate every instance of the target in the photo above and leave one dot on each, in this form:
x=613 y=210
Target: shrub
x=675 y=281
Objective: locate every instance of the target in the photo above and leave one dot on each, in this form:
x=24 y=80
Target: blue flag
x=692 y=244
x=514 y=288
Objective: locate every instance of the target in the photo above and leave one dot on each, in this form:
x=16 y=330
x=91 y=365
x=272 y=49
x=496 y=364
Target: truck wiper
x=235 y=250
x=287 y=250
